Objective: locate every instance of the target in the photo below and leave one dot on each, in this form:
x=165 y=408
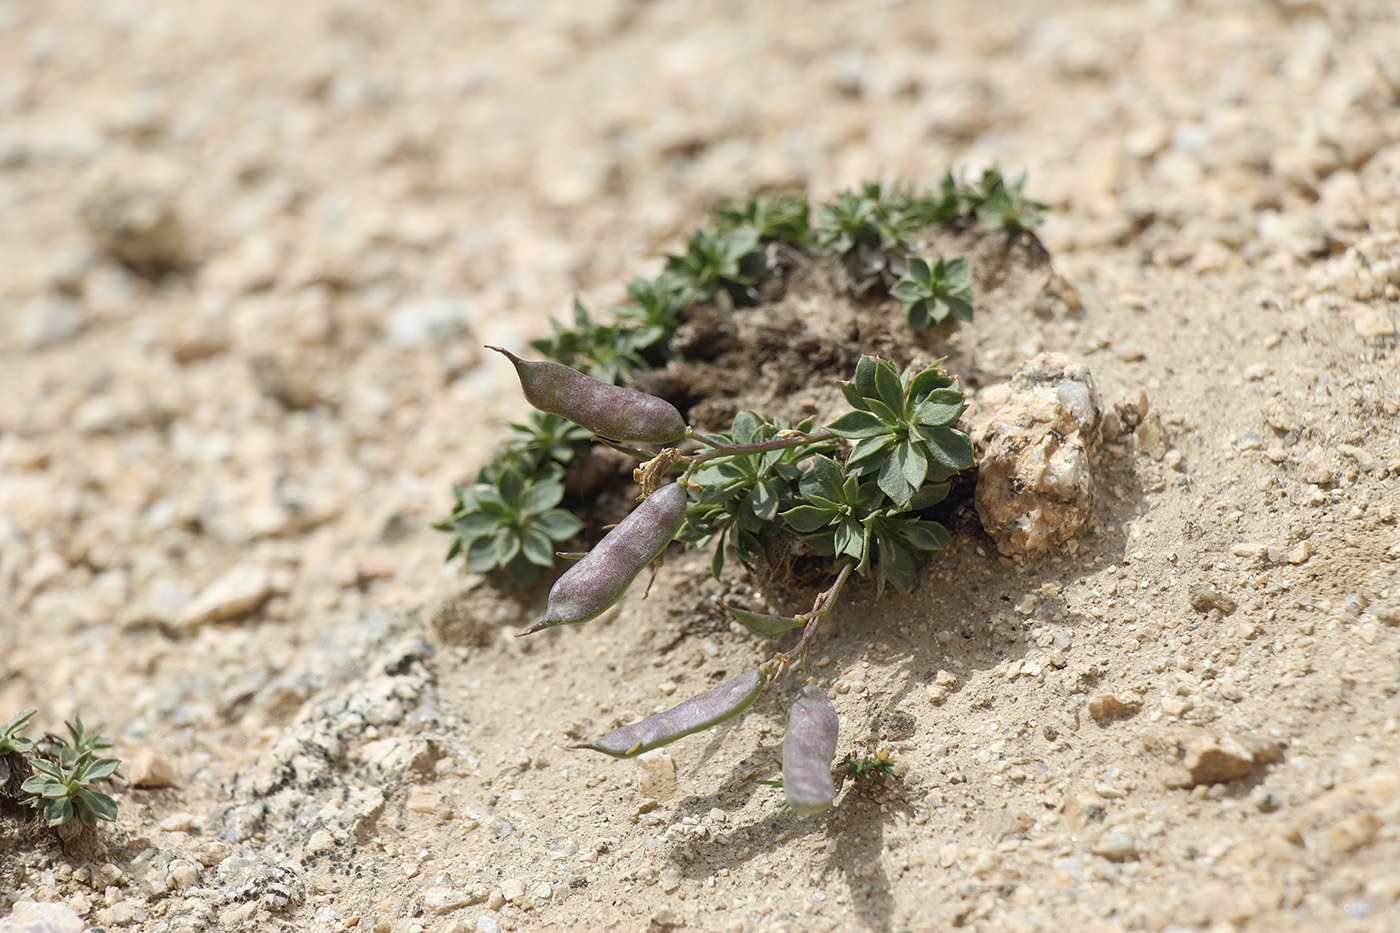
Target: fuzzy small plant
x=14 y=766
x=514 y=524
x=853 y=493
x=69 y=748
x=1001 y=204
x=64 y=791
x=56 y=775
x=714 y=261
x=936 y=294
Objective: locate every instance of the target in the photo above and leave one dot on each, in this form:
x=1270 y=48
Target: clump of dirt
x=817 y=315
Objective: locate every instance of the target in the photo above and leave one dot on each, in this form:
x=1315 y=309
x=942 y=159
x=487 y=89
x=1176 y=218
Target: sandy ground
x=216 y=486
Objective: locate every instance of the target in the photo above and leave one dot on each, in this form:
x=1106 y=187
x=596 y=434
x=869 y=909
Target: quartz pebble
x=1116 y=846
x=32 y=917
x=1035 y=457
x=235 y=594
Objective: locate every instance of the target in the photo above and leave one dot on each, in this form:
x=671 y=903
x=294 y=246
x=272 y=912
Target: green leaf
x=761 y=623
x=100 y=768
x=472 y=525
x=47 y=768
x=805 y=519
x=850 y=538
x=896 y=565
x=960 y=308
x=870 y=449
x=542 y=496
x=893 y=481
x=927 y=535
x=484 y=554
x=853 y=396
x=912 y=462
x=35 y=784
x=489 y=499
x=919 y=316
x=765 y=499
x=940 y=407
x=925 y=381
x=906 y=291
x=865 y=377
x=951 y=448
x=824 y=477
x=537 y=547
x=558 y=524
x=717 y=558
x=57 y=811
x=929 y=495
x=512 y=487
x=857 y=424
x=745 y=428
x=888 y=387
x=101 y=805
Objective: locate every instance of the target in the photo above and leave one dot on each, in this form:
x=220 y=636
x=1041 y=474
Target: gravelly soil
x=253 y=250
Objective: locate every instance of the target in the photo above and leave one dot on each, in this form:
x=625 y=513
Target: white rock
x=31 y=917
x=1035 y=456
x=47 y=321
x=235 y=594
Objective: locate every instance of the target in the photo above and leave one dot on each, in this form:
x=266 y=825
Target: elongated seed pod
x=607 y=410
x=694 y=715
x=598 y=580
x=808 y=748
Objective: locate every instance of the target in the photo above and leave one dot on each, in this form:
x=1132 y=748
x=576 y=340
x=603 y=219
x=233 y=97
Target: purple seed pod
x=808 y=748
x=694 y=715
x=589 y=587
x=607 y=410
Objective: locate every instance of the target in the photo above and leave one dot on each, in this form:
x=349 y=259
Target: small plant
x=861 y=509
x=874 y=766
x=717 y=261
x=55 y=776
x=512 y=524
x=781 y=218
x=68 y=749
x=1001 y=205
x=63 y=791
x=14 y=768
x=935 y=295
x=883 y=218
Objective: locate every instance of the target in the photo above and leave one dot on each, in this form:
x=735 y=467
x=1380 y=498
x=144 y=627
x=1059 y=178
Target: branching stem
x=820 y=607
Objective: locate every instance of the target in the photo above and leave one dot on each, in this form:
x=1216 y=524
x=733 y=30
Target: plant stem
x=795 y=439
x=820 y=607
x=705 y=438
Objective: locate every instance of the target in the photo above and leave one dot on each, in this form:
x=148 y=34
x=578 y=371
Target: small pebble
x=1116 y=846
x=1107 y=706
x=658 y=777
x=1205 y=597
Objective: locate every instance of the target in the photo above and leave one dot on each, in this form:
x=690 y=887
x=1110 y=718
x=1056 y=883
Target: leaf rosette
x=903 y=428
x=512 y=525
